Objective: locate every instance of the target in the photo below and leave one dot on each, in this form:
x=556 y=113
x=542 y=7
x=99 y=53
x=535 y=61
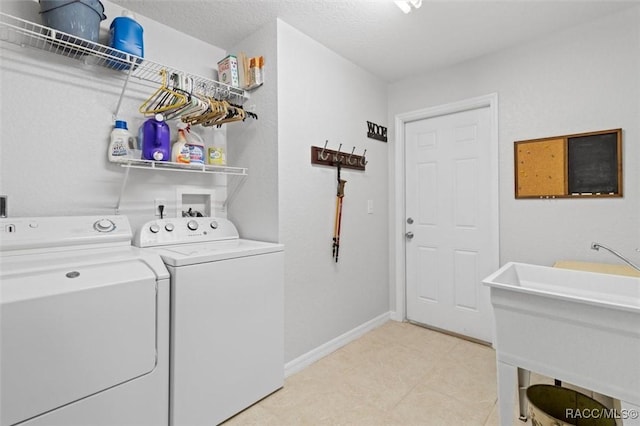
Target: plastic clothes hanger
x=217 y=109
x=164 y=99
x=196 y=104
x=196 y=107
x=224 y=111
x=235 y=114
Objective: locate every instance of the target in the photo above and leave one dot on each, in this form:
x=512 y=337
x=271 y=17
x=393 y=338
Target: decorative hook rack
x=329 y=157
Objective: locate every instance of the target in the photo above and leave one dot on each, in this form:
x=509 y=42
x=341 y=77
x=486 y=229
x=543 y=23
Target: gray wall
x=311 y=95
x=255 y=207
x=322 y=96
x=579 y=80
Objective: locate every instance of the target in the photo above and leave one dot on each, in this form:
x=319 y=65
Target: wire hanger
x=196 y=104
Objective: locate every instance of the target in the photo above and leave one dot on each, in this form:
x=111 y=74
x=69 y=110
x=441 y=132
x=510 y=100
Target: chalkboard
x=593 y=164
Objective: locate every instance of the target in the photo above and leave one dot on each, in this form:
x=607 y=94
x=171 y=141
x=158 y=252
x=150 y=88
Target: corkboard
x=540 y=168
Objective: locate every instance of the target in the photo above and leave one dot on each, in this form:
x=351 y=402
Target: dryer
x=227 y=317
x=84 y=324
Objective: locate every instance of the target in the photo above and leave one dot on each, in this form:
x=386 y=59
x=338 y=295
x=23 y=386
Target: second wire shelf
x=193 y=168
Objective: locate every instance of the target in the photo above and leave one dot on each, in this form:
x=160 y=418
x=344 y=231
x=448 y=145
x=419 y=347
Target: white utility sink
x=614 y=291
x=575 y=326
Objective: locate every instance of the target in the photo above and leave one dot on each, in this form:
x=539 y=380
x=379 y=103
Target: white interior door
x=450 y=186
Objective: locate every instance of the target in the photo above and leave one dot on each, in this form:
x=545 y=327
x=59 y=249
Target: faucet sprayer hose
x=598 y=246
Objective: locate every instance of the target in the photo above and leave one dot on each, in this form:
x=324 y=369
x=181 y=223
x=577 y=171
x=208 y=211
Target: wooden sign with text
x=376 y=131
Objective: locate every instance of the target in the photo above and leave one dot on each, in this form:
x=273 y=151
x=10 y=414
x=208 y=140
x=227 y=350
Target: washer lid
x=189 y=254
x=40 y=261
x=66 y=334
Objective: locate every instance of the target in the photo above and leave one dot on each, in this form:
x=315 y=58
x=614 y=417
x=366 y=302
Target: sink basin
x=576 y=326
x=614 y=291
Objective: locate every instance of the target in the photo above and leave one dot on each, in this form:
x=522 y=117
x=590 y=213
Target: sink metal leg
x=524 y=378
x=507 y=381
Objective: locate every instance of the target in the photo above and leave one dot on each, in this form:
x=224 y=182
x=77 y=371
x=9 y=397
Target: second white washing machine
x=227 y=317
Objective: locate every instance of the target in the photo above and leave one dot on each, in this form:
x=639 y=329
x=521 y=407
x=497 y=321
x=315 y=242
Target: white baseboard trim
x=305 y=360
x=395 y=316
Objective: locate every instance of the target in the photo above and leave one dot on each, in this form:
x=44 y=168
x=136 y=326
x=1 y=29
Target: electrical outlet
x=159 y=202
x=369 y=206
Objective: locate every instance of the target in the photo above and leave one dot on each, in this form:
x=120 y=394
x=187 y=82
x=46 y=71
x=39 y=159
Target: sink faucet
x=598 y=246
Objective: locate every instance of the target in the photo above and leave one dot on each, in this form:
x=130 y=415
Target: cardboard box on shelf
x=228 y=71
x=252 y=72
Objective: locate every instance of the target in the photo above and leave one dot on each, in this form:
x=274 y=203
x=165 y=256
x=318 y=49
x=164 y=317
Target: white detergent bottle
x=119 y=145
x=180 y=150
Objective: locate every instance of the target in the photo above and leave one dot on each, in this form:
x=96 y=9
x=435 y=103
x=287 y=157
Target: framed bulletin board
x=569 y=166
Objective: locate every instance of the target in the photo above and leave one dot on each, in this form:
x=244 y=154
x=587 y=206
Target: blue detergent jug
x=156 y=142
x=125 y=34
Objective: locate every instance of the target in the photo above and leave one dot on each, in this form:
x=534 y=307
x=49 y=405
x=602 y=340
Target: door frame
x=398 y=227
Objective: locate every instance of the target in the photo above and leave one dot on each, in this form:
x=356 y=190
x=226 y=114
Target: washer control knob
x=214 y=224
x=104 y=225
x=169 y=227
x=154 y=228
x=192 y=225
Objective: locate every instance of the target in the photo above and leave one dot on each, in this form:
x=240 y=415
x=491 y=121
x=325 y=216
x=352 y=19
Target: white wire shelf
x=29 y=34
x=177 y=167
x=193 y=168
x=26 y=33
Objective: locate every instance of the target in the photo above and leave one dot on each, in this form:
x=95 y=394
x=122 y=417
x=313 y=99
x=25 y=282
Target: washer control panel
x=184 y=230
x=42 y=232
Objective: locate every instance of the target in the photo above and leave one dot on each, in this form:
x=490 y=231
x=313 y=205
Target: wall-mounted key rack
x=330 y=157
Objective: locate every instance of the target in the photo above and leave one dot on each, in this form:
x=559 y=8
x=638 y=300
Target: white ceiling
x=375 y=34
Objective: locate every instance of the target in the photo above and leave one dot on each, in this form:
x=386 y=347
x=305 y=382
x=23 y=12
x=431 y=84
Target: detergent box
x=228 y=71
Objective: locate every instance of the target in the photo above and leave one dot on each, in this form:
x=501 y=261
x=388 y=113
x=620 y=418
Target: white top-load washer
x=84 y=324
x=227 y=317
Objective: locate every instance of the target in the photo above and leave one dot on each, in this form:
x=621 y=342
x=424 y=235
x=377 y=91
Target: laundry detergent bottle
x=196 y=148
x=120 y=142
x=156 y=143
x=126 y=35
x=180 y=149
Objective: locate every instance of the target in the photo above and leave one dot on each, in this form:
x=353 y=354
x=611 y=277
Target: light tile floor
x=397 y=374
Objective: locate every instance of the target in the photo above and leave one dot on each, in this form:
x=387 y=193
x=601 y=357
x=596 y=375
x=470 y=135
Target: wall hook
x=351 y=155
x=363 y=160
x=335 y=156
x=322 y=155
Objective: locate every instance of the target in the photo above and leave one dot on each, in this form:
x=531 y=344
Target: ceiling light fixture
x=408 y=5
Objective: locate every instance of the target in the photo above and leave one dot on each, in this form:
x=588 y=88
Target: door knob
x=409 y=220
x=409 y=235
